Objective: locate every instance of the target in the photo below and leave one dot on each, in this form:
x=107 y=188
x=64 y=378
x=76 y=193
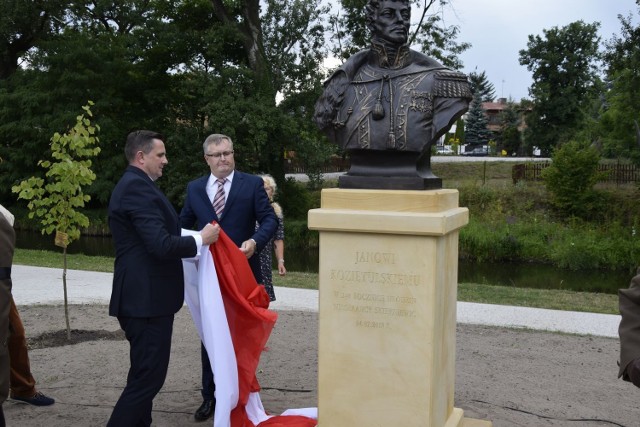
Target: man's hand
x=248 y=248
x=210 y=233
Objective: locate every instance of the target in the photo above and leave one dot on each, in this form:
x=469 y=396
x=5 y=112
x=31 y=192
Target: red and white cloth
x=232 y=316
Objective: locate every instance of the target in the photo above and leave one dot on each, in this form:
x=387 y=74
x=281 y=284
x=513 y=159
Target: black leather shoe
x=205 y=411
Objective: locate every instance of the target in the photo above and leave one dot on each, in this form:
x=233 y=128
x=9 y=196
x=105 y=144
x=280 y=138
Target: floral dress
x=266 y=262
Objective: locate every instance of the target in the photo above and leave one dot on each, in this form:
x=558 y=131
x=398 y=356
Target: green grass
x=468 y=292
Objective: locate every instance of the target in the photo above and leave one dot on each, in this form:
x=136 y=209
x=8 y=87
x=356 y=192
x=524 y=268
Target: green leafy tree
x=621 y=107
x=481 y=86
x=564 y=66
x=571 y=178
x=57 y=199
x=107 y=55
x=510 y=135
x=475 y=127
x=23 y=25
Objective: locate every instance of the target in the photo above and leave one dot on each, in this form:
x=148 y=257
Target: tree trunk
x=64 y=286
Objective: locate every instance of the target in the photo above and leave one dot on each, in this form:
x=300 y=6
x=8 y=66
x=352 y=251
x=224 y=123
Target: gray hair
x=215 y=139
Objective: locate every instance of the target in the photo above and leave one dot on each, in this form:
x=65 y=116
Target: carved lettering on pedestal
x=377 y=292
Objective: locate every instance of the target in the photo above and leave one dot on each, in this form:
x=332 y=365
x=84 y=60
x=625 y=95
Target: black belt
x=5 y=273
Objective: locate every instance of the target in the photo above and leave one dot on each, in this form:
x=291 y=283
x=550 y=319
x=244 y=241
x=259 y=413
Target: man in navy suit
x=148 y=282
x=246 y=203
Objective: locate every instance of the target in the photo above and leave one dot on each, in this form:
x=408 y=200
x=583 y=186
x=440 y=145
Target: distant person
x=7 y=247
x=629 y=331
x=236 y=201
x=275 y=244
x=148 y=281
x=22 y=383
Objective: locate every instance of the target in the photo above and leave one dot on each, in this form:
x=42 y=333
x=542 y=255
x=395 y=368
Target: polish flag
x=231 y=312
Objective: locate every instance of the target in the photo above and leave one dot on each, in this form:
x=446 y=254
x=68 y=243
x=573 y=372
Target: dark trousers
x=150 y=348
x=208 y=385
x=21 y=380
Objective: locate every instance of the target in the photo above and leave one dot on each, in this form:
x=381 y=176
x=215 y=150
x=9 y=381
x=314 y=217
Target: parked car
x=445 y=149
x=478 y=151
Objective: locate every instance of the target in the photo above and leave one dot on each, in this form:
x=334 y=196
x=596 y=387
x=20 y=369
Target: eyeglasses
x=221 y=154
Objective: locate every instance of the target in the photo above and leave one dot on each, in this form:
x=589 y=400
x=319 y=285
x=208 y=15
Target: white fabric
x=8 y=215
x=204 y=299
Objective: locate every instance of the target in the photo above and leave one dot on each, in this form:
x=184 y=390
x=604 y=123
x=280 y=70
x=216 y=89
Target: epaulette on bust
x=452 y=84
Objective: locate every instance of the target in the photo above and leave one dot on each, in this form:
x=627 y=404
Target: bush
x=570 y=180
x=298 y=235
x=296 y=199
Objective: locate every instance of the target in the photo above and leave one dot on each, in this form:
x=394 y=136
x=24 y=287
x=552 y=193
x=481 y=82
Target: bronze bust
x=388 y=104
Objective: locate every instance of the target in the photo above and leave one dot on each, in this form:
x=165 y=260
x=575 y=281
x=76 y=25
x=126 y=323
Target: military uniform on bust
x=387 y=105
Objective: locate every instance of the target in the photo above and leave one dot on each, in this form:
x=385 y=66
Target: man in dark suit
x=148 y=282
x=243 y=203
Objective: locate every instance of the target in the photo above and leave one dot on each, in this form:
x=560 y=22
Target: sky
x=499 y=29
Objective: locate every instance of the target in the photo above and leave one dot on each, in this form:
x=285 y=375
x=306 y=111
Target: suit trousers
x=22 y=382
x=208 y=384
x=150 y=348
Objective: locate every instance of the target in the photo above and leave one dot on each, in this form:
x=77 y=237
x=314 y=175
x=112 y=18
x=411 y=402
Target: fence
x=335 y=164
x=617 y=173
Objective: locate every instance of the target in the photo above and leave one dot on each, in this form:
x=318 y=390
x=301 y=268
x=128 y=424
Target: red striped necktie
x=218 y=199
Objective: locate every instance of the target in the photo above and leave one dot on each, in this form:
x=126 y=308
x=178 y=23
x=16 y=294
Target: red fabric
x=289 y=421
x=250 y=321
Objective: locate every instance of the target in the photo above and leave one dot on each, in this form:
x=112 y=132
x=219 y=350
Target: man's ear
x=139 y=159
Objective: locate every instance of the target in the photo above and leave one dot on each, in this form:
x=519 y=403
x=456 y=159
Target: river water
x=306 y=260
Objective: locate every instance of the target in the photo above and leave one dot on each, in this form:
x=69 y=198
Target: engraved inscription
x=372 y=277
x=375 y=257
x=377 y=293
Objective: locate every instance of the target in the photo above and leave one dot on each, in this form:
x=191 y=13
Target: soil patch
x=59 y=338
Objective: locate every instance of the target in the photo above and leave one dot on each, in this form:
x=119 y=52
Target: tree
x=106 y=56
x=621 y=106
x=56 y=200
x=475 y=129
x=564 y=66
x=481 y=86
x=23 y=24
x=510 y=121
x=571 y=177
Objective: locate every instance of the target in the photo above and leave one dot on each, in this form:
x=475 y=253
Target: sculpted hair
x=140 y=140
x=215 y=139
x=371 y=9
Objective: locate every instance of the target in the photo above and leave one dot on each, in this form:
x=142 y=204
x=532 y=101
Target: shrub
x=295 y=199
x=570 y=179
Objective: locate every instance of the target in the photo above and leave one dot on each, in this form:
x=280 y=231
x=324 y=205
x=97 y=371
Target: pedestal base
x=387 y=307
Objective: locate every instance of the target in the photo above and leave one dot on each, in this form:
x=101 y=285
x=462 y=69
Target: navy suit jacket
x=148 y=280
x=246 y=204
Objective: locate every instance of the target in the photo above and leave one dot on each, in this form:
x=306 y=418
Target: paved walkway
x=39 y=285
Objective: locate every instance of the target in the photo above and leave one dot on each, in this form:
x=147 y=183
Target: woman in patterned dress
x=277 y=241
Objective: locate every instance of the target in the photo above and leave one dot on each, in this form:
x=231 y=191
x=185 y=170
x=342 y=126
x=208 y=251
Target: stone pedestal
x=387 y=315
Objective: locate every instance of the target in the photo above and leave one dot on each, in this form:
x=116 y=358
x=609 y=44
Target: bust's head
x=389 y=20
